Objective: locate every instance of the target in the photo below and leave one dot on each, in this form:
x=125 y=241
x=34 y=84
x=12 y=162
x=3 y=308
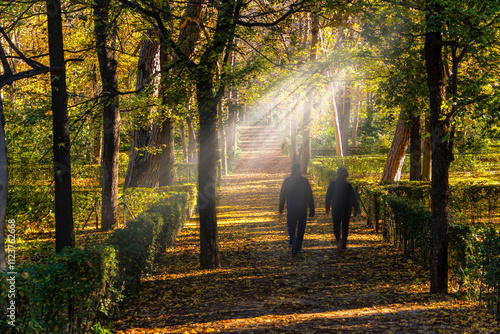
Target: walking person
x=297 y=193
x=341 y=198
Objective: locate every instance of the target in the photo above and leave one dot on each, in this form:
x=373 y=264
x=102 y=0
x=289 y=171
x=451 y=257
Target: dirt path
x=262 y=289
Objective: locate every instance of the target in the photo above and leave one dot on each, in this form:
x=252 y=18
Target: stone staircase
x=260 y=148
x=259 y=139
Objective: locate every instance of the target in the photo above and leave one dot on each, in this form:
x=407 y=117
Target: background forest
x=111 y=108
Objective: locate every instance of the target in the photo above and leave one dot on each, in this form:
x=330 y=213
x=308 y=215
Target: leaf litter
x=261 y=288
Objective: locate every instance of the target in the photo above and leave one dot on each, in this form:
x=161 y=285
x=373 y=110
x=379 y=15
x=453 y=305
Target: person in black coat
x=296 y=192
x=341 y=198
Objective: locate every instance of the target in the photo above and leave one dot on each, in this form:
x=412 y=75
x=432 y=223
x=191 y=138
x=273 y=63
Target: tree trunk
x=208 y=100
x=182 y=130
x=65 y=235
x=167 y=155
x=97 y=144
x=286 y=135
x=3 y=187
x=293 y=140
x=222 y=148
x=231 y=134
x=427 y=151
x=232 y=118
x=344 y=113
x=193 y=156
x=141 y=169
x=397 y=152
x=207 y=175
x=111 y=115
x=336 y=126
x=441 y=154
x=96 y=120
x=305 y=148
x=306 y=122
x=415 y=150
x=355 y=123
x=188 y=37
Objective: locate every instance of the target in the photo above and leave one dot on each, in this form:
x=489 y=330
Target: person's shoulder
x=304 y=179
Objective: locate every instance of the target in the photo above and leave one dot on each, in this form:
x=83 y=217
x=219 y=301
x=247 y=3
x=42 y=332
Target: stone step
x=259 y=139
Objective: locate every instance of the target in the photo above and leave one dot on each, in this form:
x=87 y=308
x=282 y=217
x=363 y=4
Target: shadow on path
x=262 y=289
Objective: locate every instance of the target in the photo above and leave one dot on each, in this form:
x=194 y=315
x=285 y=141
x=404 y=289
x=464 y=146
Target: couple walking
x=340 y=198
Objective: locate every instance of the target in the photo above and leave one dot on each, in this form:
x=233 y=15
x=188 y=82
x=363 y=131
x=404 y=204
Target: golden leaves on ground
x=260 y=288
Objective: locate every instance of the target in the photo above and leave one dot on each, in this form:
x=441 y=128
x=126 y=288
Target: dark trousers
x=343 y=220
x=292 y=221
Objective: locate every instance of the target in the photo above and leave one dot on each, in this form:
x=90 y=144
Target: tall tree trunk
x=231 y=132
x=208 y=100
x=188 y=36
x=336 y=125
x=415 y=150
x=441 y=154
x=167 y=160
x=344 y=113
x=111 y=114
x=232 y=117
x=193 y=156
x=355 y=122
x=167 y=153
x=427 y=151
x=65 y=235
x=96 y=120
x=305 y=148
x=306 y=122
x=222 y=145
x=397 y=152
x=293 y=140
x=207 y=175
x=97 y=144
x=3 y=187
x=182 y=131
x=286 y=134
x=141 y=169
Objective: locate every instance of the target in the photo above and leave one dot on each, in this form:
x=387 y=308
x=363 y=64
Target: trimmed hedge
x=474 y=251
x=409 y=228
x=91 y=282
x=34 y=206
x=141 y=242
x=404 y=210
x=83 y=279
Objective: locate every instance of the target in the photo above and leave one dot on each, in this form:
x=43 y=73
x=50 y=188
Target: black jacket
x=297 y=193
x=341 y=198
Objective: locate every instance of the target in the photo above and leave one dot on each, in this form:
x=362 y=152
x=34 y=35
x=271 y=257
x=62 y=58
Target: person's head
x=342 y=173
x=295 y=169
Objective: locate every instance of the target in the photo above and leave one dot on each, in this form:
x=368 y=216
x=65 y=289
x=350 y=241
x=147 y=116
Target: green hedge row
x=34 y=173
x=402 y=212
x=477 y=202
x=87 y=284
x=78 y=281
x=474 y=251
x=34 y=207
x=361 y=165
x=138 y=199
x=141 y=242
